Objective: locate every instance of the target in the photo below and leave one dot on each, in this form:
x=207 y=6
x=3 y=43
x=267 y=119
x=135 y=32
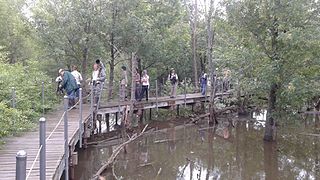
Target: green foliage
x=27 y=82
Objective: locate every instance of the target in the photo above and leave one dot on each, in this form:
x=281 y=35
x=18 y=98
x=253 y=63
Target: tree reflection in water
x=215 y=153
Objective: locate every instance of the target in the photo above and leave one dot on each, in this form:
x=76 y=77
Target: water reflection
x=223 y=152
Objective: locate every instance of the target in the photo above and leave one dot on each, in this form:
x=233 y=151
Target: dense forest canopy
x=271 y=47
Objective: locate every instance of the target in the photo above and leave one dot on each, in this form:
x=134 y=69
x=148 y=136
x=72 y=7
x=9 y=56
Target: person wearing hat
x=69 y=84
x=173 y=78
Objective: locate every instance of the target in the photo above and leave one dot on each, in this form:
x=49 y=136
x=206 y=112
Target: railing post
x=21 y=165
x=66 y=144
x=91 y=106
x=13 y=97
x=42 y=92
x=42 y=138
x=120 y=96
x=185 y=92
x=157 y=95
x=80 y=118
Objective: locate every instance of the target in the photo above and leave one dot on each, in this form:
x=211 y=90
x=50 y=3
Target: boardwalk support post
x=42 y=138
x=80 y=118
x=21 y=165
x=107 y=122
x=178 y=110
x=13 y=97
x=66 y=144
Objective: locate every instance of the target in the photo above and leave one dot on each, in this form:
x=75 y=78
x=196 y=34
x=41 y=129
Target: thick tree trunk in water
x=84 y=64
x=271 y=160
x=270 y=121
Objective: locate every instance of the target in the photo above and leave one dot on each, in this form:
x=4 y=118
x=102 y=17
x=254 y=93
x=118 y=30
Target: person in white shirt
x=77 y=76
x=145 y=84
x=98 y=78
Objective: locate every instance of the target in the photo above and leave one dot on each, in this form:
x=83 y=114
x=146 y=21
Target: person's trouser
x=122 y=92
x=144 y=91
x=173 y=90
x=203 y=88
x=96 y=92
x=77 y=91
x=138 y=91
x=71 y=97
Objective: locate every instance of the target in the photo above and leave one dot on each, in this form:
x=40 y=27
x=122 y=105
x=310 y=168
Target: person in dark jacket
x=69 y=84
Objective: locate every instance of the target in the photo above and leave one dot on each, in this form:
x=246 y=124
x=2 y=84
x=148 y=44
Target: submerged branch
x=113 y=156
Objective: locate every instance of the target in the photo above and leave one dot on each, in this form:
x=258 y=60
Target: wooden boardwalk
x=30 y=143
x=55 y=145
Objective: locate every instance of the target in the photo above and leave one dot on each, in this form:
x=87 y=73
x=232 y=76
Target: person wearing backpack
x=173 y=78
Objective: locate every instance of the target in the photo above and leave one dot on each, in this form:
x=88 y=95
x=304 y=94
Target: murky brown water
x=223 y=153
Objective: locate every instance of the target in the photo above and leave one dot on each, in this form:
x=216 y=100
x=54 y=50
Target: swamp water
x=226 y=152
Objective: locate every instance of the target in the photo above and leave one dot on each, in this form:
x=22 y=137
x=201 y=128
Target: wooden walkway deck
x=30 y=143
x=55 y=146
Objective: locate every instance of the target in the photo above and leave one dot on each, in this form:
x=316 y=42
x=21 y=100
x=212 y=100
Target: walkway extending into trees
x=55 y=135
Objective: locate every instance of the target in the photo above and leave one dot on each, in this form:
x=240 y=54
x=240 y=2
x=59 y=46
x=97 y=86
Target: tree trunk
x=194 y=44
x=133 y=84
x=84 y=64
x=210 y=39
x=270 y=121
x=112 y=52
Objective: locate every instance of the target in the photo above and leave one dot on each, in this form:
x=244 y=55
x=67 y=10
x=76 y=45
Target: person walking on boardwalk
x=69 y=84
x=145 y=85
x=123 y=83
x=173 y=78
x=98 y=78
x=138 y=85
x=76 y=74
x=203 y=83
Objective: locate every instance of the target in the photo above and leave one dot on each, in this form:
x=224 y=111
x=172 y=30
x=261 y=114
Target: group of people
x=71 y=82
x=142 y=84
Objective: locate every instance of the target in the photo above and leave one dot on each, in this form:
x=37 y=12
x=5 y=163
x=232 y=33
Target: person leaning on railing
x=69 y=84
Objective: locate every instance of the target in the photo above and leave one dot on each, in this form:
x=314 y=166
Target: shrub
x=27 y=81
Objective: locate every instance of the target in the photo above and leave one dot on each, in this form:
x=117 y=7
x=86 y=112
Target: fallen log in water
x=217 y=112
x=115 y=153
